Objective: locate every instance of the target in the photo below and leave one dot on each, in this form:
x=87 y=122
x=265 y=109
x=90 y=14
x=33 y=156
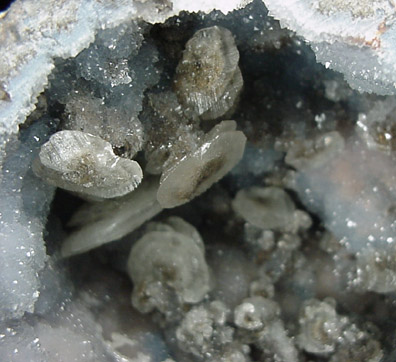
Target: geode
x=241 y=193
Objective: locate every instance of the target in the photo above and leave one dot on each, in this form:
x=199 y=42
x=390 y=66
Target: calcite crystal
x=266 y=208
x=208 y=78
x=86 y=164
x=100 y=222
x=219 y=152
x=167 y=267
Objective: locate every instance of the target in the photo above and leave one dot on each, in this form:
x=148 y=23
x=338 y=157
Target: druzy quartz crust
x=193 y=185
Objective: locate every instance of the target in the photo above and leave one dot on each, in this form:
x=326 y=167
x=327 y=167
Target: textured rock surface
x=25 y=202
x=353 y=37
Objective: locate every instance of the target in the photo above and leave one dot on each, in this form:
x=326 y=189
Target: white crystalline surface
x=24 y=201
x=356 y=38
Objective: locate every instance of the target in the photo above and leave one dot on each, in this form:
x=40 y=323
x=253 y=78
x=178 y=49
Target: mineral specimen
x=288 y=256
x=104 y=221
x=86 y=164
x=219 y=152
x=208 y=78
x=90 y=115
x=167 y=267
x=266 y=208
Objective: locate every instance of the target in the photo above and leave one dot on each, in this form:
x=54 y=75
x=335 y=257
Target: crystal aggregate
x=225 y=198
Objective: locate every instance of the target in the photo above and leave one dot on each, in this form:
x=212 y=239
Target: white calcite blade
x=101 y=222
x=208 y=79
x=86 y=164
x=195 y=173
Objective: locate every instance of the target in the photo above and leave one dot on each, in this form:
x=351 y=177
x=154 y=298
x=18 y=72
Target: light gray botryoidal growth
x=204 y=330
x=260 y=324
x=324 y=332
x=320 y=327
